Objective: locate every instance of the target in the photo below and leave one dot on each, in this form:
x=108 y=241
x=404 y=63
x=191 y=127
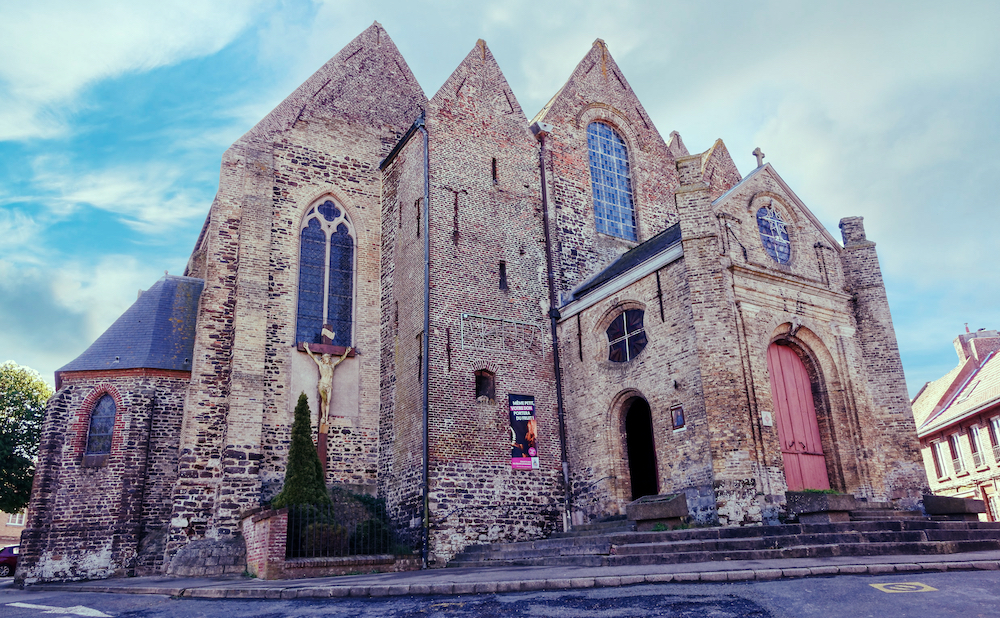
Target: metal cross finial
x=760 y=156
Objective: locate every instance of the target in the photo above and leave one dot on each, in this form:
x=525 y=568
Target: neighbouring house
x=11 y=525
x=958 y=423
x=544 y=319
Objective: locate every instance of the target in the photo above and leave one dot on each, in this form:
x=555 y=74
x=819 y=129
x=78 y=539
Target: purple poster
x=523 y=432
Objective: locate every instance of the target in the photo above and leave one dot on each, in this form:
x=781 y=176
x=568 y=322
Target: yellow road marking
x=904 y=587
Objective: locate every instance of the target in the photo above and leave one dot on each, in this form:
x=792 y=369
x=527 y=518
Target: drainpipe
x=426 y=339
x=541 y=129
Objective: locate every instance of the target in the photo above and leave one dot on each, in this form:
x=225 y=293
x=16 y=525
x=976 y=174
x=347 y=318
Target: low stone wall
x=265 y=533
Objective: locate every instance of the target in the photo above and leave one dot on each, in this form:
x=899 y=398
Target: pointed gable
x=367 y=81
x=633 y=206
x=478 y=88
x=718 y=170
x=598 y=82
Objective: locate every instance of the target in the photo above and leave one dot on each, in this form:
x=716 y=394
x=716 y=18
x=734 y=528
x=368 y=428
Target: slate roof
x=979 y=391
x=156 y=332
x=632 y=258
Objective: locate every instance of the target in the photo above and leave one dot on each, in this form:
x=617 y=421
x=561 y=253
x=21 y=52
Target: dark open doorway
x=641 y=452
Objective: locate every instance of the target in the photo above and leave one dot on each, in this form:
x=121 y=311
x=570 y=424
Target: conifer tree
x=304 y=482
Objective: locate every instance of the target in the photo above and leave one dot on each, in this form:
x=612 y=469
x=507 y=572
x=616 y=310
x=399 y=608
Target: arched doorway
x=798 y=429
x=641 y=452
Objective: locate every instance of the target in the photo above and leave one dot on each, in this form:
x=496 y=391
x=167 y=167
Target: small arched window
x=102 y=426
x=326 y=275
x=614 y=211
x=486 y=386
x=626 y=336
x=773 y=234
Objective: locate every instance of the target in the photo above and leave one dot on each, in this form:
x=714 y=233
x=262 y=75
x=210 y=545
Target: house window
x=773 y=234
x=677 y=414
x=102 y=425
x=326 y=275
x=614 y=211
x=956 y=454
x=994 y=431
x=626 y=336
x=16 y=519
x=486 y=386
x=938 y=459
x=977 y=454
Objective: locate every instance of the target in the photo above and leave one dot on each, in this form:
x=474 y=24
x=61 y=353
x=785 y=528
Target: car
x=8 y=560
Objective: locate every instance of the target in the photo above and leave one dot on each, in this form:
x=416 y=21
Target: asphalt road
x=969 y=594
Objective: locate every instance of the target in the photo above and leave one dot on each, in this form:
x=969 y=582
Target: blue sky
x=114 y=117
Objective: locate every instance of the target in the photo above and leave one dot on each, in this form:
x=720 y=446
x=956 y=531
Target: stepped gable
x=598 y=82
x=718 y=170
x=368 y=81
x=156 y=332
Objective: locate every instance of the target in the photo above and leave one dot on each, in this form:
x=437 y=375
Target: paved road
x=969 y=594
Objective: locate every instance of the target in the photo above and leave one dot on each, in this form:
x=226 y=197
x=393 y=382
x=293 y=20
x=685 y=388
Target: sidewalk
x=518 y=579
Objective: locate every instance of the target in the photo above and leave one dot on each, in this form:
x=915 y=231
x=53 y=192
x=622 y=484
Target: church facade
x=542 y=319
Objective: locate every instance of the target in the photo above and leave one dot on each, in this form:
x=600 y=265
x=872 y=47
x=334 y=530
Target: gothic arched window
x=614 y=211
x=773 y=234
x=102 y=426
x=326 y=275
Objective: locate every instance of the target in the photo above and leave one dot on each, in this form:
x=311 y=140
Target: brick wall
x=91 y=521
x=324 y=140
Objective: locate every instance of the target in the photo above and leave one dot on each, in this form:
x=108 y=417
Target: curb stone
x=492 y=587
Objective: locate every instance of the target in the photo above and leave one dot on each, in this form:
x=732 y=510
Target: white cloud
x=146 y=197
x=61 y=306
x=53 y=49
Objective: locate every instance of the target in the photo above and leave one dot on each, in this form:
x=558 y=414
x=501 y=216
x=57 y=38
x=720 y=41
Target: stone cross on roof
x=759 y=154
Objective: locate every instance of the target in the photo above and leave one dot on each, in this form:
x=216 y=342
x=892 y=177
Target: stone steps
x=608 y=547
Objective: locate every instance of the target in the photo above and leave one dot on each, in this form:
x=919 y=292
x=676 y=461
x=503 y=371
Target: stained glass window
x=326 y=275
x=773 y=234
x=626 y=336
x=102 y=425
x=614 y=211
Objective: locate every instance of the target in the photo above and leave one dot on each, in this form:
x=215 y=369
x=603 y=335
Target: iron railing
x=353 y=525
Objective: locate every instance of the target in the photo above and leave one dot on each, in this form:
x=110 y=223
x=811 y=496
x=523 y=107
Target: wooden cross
x=760 y=156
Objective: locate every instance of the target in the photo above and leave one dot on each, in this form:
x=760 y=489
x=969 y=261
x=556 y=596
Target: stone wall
x=93 y=519
x=323 y=141
x=598 y=92
x=665 y=374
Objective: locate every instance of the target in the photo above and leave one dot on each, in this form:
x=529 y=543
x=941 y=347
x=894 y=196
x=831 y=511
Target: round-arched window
x=626 y=336
x=774 y=235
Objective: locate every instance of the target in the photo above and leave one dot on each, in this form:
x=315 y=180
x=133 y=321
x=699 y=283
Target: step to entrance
x=600 y=547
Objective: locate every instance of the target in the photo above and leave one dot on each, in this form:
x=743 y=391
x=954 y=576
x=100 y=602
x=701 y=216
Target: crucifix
x=326 y=365
x=759 y=154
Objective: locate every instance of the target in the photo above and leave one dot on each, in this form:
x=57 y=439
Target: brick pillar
x=721 y=369
x=889 y=424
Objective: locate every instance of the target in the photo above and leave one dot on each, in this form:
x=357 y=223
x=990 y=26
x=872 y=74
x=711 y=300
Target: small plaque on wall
x=767 y=419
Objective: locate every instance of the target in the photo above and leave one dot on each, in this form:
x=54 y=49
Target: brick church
x=543 y=319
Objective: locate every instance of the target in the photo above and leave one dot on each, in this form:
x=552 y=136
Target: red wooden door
x=798 y=430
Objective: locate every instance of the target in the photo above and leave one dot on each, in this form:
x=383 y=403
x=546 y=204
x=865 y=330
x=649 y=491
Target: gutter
x=541 y=129
x=426 y=340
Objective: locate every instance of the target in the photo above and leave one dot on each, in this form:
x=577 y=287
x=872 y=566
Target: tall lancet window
x=611 y=181
x=326 y=275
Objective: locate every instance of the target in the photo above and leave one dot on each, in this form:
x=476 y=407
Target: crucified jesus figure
x=326 y=366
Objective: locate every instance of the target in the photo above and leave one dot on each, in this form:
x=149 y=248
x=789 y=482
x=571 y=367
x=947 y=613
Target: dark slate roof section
x=156 y=332
x=632 y=258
